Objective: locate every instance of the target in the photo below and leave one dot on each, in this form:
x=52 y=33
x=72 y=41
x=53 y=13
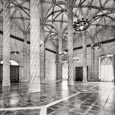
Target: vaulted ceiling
x=100 y=13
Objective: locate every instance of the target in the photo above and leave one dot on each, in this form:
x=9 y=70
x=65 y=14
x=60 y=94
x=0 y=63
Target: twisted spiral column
x=25 y=59
x=84 y=58
x=70 y=45
x=92 y=63
x=42 y=49
x=57 y=60
x=6 y=43
x=42 y=57
x=60 y=57
x=34 y=46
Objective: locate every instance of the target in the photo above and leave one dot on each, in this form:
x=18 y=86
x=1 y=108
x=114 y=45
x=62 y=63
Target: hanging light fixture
x=81 y=22
x=96 y=45
x=63 y=53
x=15 y=51
x=41 y=42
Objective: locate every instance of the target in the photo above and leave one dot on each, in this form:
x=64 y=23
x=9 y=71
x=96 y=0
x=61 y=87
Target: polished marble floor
x=92 y=98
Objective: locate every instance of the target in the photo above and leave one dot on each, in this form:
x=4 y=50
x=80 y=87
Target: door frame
x=113 y=64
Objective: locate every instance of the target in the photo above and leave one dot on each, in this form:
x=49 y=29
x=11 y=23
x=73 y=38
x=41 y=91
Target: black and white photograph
x=57 y=57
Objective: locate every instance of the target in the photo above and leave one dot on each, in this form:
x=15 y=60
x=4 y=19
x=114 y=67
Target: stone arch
x=12 y=62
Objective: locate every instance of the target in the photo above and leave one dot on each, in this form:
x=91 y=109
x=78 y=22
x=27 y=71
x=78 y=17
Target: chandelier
x=81 y=24
x=80 y=21
x=63 y=53
x=15 y=52
x=96 y=45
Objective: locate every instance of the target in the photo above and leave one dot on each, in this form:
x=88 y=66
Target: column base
x=43 y=111
x=6 y=83
x=6 y=89
x=84 y=81
x=34 y=87
x=85 y=88
x=70 y=82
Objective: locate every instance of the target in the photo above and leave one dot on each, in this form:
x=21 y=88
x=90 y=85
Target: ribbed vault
x=101 y=15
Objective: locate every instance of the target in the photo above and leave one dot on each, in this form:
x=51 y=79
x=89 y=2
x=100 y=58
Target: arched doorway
x=14 y=71
x=106 y=68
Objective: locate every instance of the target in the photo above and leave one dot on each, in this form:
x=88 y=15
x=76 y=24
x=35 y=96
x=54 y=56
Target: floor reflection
x=91 y=98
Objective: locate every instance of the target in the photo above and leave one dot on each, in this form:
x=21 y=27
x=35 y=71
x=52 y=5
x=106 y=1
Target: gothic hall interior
x=57 y=57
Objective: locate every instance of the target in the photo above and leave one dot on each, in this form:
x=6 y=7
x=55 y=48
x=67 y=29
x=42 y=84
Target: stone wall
x=50 y=66
x=107 y=48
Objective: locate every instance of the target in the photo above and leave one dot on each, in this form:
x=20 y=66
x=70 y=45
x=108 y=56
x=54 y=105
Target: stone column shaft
x=60 y=56
x=84 y=58
x=42 y=60
x=92 y=64
x=42 y=53
x=34 y=46
x=25 y=59
x=6 y=43
x=70 y=44
x=57 y=61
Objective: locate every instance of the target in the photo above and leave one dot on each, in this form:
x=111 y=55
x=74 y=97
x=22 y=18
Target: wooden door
x=14 y=73
x=79 y=74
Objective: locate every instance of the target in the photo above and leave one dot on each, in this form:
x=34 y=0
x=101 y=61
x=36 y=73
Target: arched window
x=106 y=61
x=107 y=73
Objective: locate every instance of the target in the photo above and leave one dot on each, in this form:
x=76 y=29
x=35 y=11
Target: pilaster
x=42 y=48
x=6 y=43
x=70 y=43
x=34 y=46
x=84 y=57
